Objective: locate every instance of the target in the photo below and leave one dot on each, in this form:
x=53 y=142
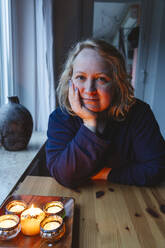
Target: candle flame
x=32 y=206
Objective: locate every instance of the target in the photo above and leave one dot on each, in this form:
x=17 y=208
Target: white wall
x=159 y=90
x=107 y=19
x=150 y=85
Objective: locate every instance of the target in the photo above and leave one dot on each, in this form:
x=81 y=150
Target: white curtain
x=27 y=69
x=45 y=90
x=6 y=67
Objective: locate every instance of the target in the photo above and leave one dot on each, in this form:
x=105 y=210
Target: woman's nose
x=90 y=86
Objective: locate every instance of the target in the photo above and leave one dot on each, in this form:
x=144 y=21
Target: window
x=6 y=71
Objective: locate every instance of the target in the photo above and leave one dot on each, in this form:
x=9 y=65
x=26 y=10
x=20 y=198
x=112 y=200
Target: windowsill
x=14 y=164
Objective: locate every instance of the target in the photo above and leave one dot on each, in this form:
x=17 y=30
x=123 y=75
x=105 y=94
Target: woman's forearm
x=75 y=161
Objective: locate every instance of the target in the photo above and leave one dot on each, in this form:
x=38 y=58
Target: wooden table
x=125 y=216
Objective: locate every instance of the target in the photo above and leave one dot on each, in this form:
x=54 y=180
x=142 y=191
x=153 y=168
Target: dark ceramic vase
x=16 y=125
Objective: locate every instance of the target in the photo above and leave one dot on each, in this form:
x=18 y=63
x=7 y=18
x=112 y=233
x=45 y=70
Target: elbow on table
x=66 y=179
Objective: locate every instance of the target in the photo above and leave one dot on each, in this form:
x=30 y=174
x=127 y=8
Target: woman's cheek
x=80 y=87
x=105 y=89
x=76 y=85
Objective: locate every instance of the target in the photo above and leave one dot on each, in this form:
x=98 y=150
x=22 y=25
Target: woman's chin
x=92 y=108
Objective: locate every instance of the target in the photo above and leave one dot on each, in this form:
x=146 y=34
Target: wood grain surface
x=123 y=217
x=35 y=241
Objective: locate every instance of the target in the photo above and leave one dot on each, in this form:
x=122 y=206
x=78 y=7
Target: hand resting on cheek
x=89 y=117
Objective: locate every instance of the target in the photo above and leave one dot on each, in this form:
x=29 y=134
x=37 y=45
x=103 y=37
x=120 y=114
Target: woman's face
x=91 y=75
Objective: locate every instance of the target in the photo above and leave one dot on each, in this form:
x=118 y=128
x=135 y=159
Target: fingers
x=74 y=96
x=76 y=105
x=70 y=94
x=72 y=88
x=77 y=97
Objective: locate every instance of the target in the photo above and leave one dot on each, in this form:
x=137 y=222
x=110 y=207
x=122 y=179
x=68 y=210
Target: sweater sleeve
x=72 y=154
x=148 y=166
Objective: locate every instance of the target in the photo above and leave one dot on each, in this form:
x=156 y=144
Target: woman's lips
x=90 y=99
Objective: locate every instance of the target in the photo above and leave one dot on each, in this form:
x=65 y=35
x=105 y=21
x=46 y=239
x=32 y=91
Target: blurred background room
x=35 y=36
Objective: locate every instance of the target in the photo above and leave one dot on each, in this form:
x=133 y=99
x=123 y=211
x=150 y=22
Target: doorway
x=118 y=22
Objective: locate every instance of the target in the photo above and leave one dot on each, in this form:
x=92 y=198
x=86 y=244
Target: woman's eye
x=102 y=80
x=80 y=78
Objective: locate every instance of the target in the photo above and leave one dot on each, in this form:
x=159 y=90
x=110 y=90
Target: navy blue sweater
x=133 y=148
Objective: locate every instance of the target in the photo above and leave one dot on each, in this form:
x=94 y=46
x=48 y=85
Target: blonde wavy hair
x=123 y=97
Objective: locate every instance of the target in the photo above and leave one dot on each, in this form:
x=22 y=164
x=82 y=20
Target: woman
x=100 y=131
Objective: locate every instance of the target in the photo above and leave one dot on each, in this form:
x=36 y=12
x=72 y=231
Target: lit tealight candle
x=15 y=207
x=52 y=228
x=9 y=226
x=52 y=225
x=30 y=221
x=7 y=223
x=54 y=207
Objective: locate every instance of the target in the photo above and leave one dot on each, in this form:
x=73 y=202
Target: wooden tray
x=35 y=241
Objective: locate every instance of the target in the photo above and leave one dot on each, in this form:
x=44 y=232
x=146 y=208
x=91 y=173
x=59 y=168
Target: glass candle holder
x=54 y=208
x=30 y=221
x=16 y=207
x=52 y=228
x=9 y=226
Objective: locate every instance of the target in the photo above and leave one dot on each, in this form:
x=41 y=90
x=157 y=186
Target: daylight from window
x=6 y=80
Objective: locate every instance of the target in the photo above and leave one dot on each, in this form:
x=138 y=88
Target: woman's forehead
x=88 y=59
x=88 y=52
